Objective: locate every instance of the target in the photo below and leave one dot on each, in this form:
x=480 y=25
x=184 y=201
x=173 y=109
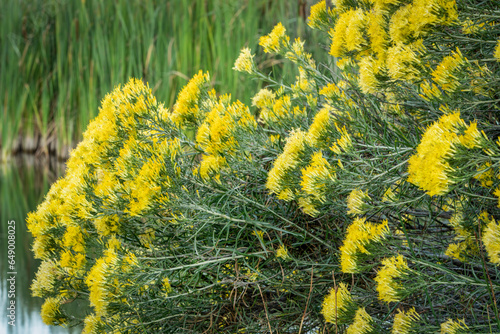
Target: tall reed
x=58 y=58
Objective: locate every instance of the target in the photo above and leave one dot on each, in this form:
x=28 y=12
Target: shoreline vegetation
x=359 y=196
x=60 y=57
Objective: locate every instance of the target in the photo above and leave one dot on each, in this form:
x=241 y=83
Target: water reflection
x=23 y=183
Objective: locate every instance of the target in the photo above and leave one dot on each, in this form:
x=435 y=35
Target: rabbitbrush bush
x=361 y=197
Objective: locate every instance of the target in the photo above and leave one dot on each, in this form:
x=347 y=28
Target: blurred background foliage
x=59 y=57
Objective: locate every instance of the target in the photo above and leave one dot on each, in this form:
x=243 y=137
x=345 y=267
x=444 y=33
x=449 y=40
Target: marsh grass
x=59 y=57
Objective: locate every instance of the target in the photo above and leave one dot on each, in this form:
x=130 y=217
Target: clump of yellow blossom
x=244 y=62
x=51 y=313
x=92 y=324
x=338 y=306
x=429 y=168
x=359 y=237
x=276 y=40
x=491 y=241
x=454 y=327
x=363 y=323
x=282 y=253
x=389 y=278
x=286 y=161
x=319 y=18
x=186 y=109
x=496 y=54
x=405 y=322
x=357 y=202
x=447 y=73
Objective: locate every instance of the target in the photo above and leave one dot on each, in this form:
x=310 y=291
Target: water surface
x=23 y=183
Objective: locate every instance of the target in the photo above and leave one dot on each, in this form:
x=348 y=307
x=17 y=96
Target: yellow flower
x=264 y=98
x=404 y=61
x=348 y=33
x=259 y=234
x=45 y=278
x=447 y=72
x=244 y=63
x=404 y=322
x=429 y=91
x=73 y=238
x=186 y=108
x=316 y=176
x=165 y=284
x=286 y=161
x=282 y=253
x=51 y=314
x=331 y=91
x=308 y=206
x=145 y=187
x=96 y=280
x=393 y=270
x=344 y=143
x=211 y=165
x=360 y=235
x=454 y=327
x=338 y=306
x=362 y=323
x=389 y=195
x=106 y=224
x=318 y=19
x=298 y=55
x=416 y=19
x=303 y=85
x=92 y=324
x=318 y=131
x=276 y=40
x=370 y=70
x=357 y=202
x=377 y=32
x=456 y=251
x=497 y=51
x=471 y=27
x=429 y=168
x=491 y=241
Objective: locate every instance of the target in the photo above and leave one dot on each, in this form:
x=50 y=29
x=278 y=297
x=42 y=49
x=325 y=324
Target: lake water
x=23 y=183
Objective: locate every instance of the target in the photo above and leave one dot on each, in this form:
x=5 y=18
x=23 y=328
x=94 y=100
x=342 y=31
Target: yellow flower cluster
x=347 y=36
x=415 y=19
x=429 y=168
x=357 y=202
x=315 y=177
x=217 y=135
x=497 y=51
x=362 y=323
x=405 y=322
x=454 y=327
x=491 y=241
x=113 y=170
x=51 y=313
x=466 y=244
x=45 y=279
x=286 y=161
x=384 y=38
x=186 y=109
x=389 y=285
x=282 y=253
x=319 y=16
x=447 y=72
x=92 y=324
x=338 y=306
x=360 y=237
x=276 y=41
x=244 y=63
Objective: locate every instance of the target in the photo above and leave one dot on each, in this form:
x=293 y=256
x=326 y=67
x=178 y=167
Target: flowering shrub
x=370 y=183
